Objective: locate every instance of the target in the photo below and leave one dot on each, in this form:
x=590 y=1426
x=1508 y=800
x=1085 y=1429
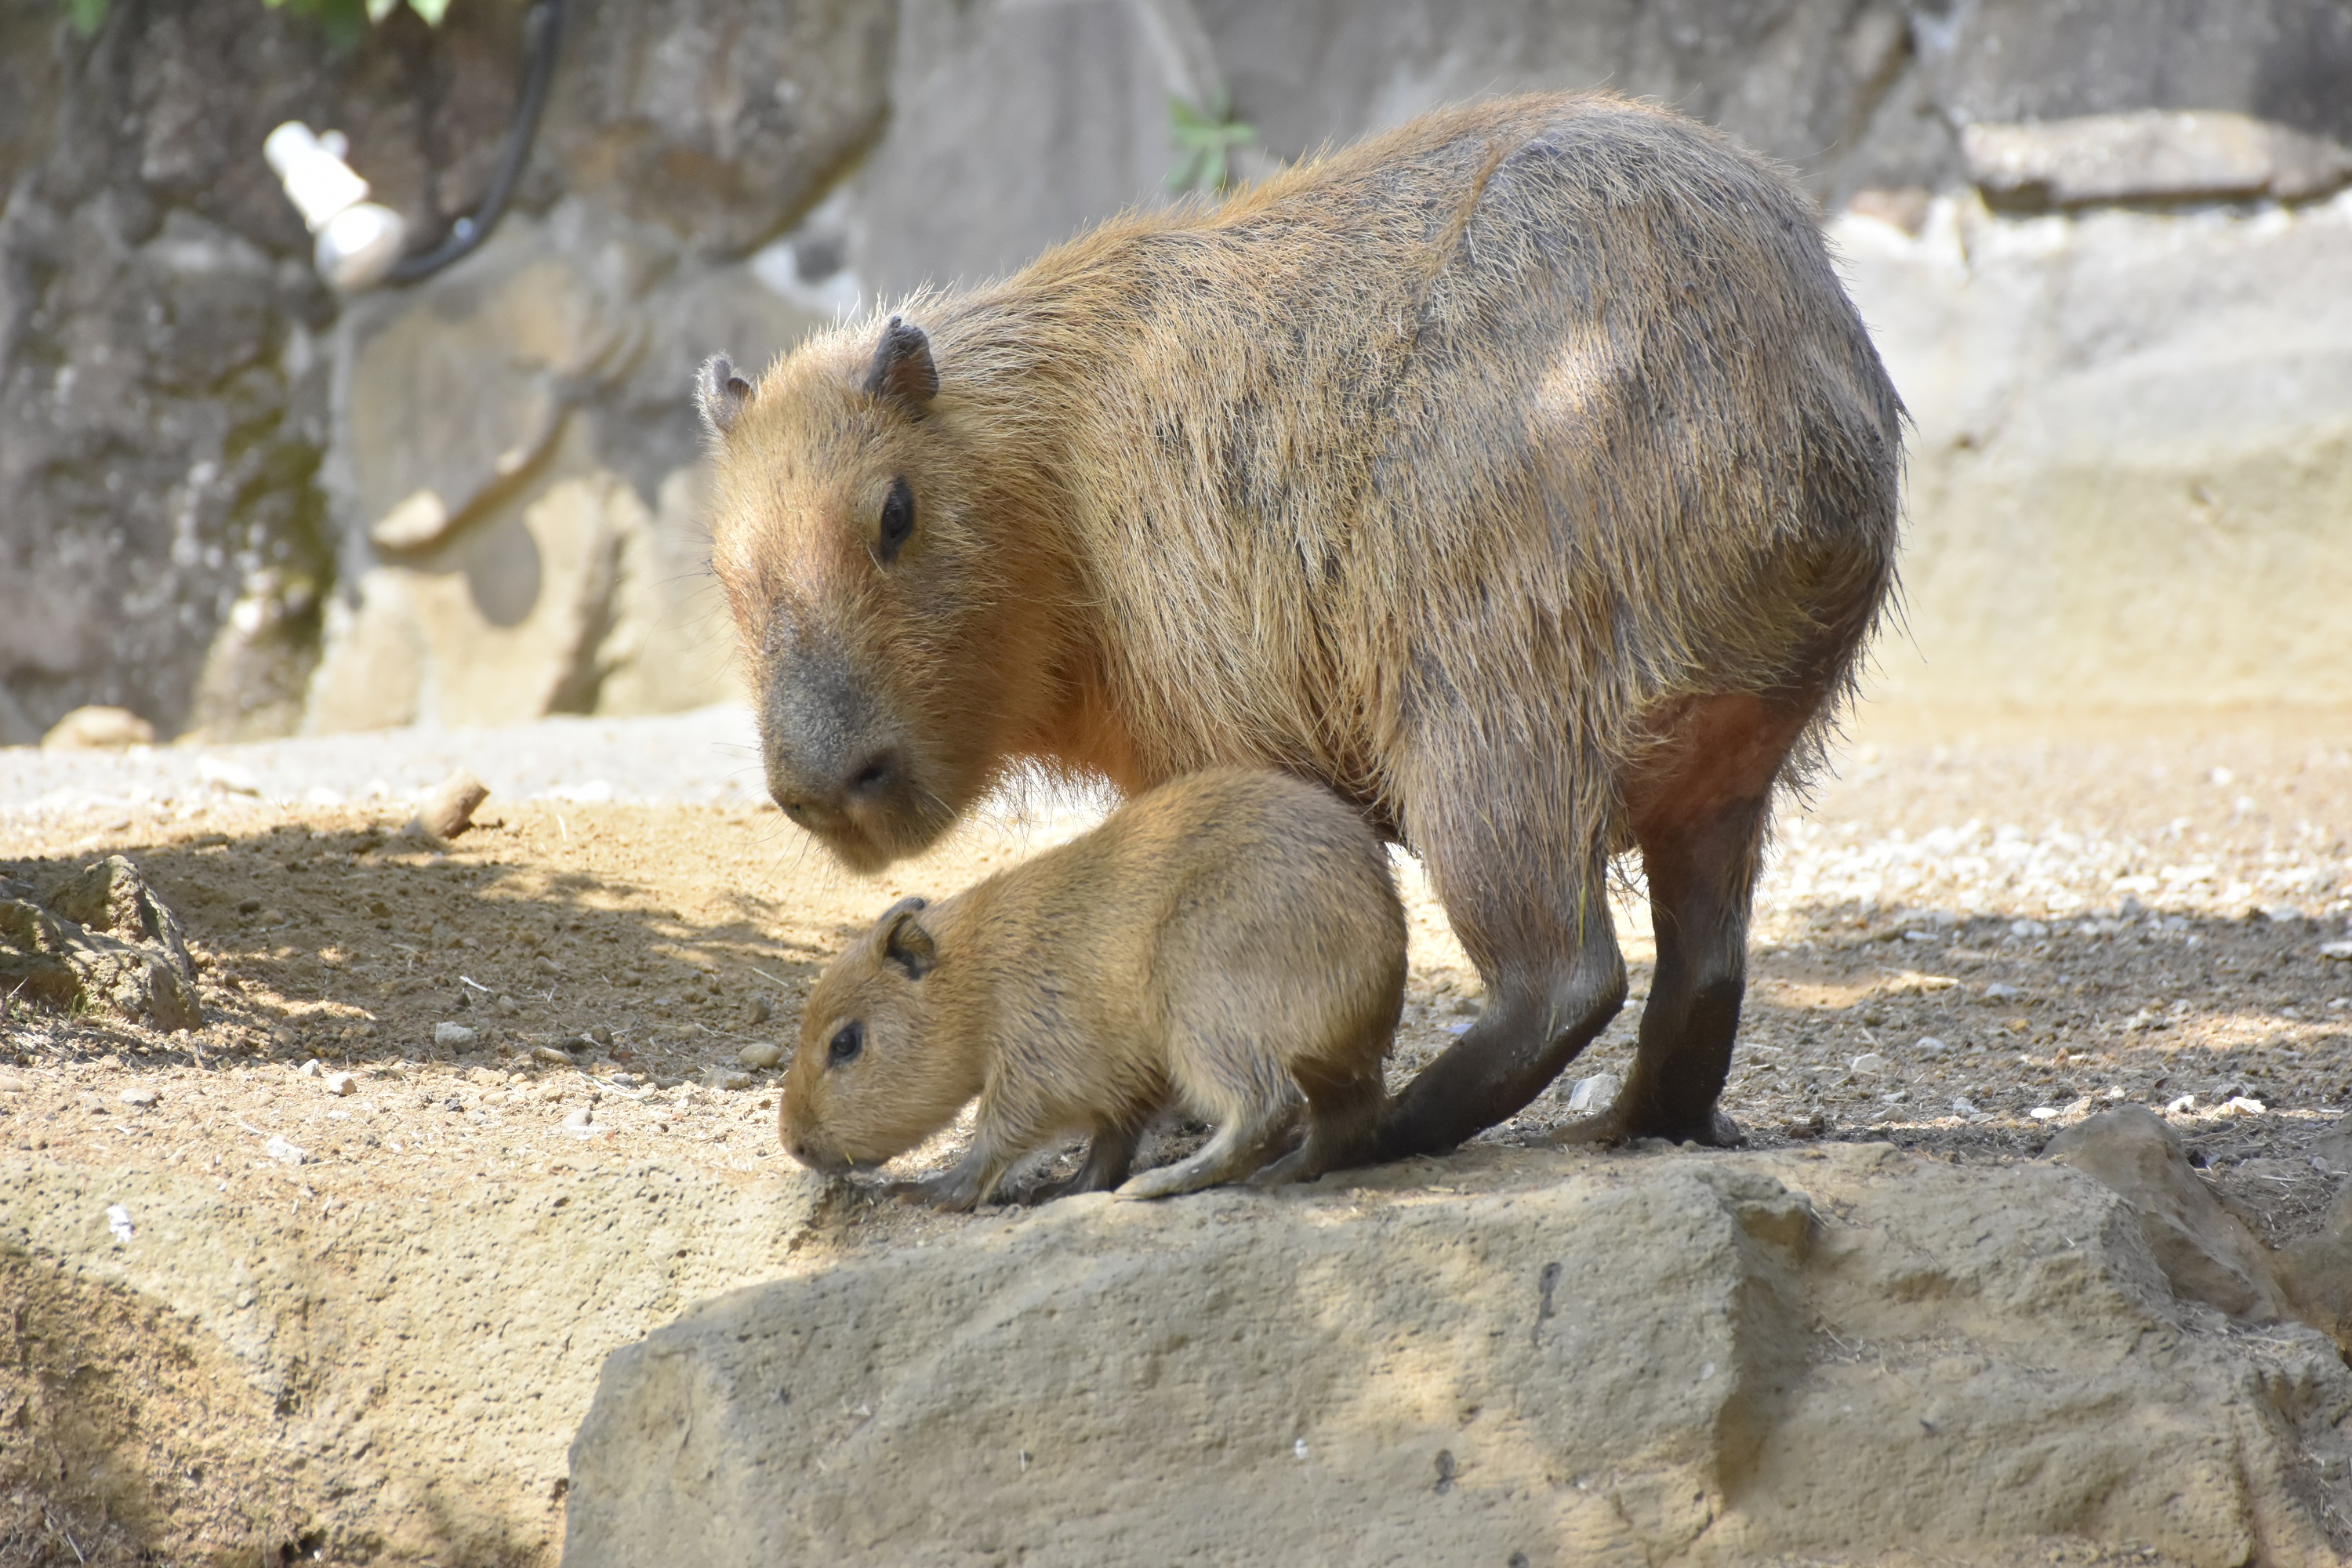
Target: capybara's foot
x=1291 y=1167
x=1165 y=1181
x=950 y=1192
x=1608 y=1130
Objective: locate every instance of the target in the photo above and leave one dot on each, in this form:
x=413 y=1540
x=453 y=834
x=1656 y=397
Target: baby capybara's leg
x=1110 y=1155
x=1221 y=1071
x=1534 y=921
x=1239 y=1149
x=1343 y=1118
x=1699 y=815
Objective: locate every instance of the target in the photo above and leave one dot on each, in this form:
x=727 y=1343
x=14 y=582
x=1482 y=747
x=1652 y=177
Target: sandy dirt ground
x=1971 y=936
x=1975 y=933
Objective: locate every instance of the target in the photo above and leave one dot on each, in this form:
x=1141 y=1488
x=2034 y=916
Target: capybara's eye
x=898 y=521
x=848 y=1041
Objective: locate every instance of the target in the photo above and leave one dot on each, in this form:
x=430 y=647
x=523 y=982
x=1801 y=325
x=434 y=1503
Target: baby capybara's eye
x=897 y=521
x=847 y=1042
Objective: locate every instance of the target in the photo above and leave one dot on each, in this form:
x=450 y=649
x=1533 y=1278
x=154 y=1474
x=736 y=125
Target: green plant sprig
x=1206 y=137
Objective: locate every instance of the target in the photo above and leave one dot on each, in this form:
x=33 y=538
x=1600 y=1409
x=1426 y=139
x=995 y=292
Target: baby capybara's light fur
x=1230 y=943
x=1523 y=474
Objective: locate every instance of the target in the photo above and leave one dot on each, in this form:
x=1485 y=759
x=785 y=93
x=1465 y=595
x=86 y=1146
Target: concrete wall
x=240 y=506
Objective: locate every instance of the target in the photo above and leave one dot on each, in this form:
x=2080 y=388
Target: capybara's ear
x=903 y=940
x=720 y=393
x=903 y=370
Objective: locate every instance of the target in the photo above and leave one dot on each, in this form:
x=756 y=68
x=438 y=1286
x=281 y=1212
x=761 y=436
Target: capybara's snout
x=837 y=763
x=814 y=1152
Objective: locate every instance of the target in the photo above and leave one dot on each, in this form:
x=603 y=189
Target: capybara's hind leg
x=1342 y=1123
x=1540 y=935
x=1699 y=815
x=1240 y=1148
x=1110 y=1155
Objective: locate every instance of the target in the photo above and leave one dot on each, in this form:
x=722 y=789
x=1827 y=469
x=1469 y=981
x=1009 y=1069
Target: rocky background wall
x=238 y=506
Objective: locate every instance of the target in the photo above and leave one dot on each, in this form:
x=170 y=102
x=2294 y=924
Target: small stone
x=762 y=1010
x=2339 y=950
x=1870 y=1064
x=2043 y=1113
x=142 y=1096
x=1930 y=1045
x=448 y=811
x=118 y=1222
x=455 y=1037
x=342 y=1083
x=1466 y=1006
x=1963 y=1106
x=507 y=1006
x=99 y=729
x=2000 y=991
x=765 y=1054
x=11 y=1084
x=313 y=1068
x=2244 y=1105
x=285 y=1151
x=602 y=1035
x=716 y=1077
x=550 y=1054
x=1591 y=1096
x=226 y=776
x=2028 y=929
x=2180 y=1107
x=580 y=1117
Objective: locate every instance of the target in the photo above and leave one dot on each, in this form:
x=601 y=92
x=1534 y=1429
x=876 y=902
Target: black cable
x=542 y=30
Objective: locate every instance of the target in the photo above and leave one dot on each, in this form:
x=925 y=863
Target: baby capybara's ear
x=720 y=393
x=903 y=940
x=902 y=370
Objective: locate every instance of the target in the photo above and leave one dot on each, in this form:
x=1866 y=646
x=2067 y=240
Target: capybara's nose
x=873 y=778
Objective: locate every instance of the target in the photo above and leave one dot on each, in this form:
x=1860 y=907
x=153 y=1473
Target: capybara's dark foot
x=1608 y=1130
x=950 y=1190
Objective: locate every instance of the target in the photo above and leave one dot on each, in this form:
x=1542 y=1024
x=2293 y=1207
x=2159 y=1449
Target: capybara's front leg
x=962 y=1185
x=1554 y=979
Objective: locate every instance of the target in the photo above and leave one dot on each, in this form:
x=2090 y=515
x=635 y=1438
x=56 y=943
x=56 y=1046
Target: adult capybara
x=1523 y=474
x=1231 y=943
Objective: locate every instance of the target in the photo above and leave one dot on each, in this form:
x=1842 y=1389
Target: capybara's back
x=1523 y=473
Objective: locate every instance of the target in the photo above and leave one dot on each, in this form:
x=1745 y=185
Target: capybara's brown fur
x=1230 y=943
x=1523 y=473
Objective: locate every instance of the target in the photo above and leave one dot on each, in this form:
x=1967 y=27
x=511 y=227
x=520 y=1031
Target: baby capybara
x=1523 y=473
x=1229 y=943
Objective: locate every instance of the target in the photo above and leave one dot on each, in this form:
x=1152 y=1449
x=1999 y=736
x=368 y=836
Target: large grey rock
x=1016 y=124
x=161 y=387
x=506 y=624
x=1545 y=1360
x=722 y=120
x=1801 y=82
x=102 y=938
x=2008 y=60
x=2151 y=155
x=409 y=1371
x=2132 y=455
x=2202 y=1249
x=504 y=434
x=166 y=356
